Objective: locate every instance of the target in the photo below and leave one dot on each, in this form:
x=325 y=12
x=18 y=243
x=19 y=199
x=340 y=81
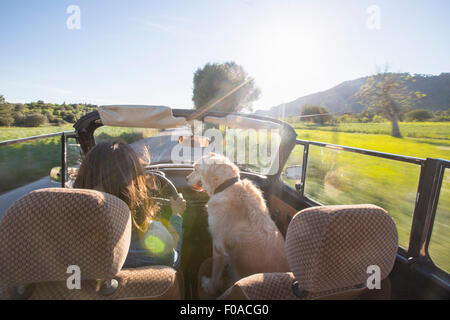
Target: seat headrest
x=331 y=247
x=47 y=230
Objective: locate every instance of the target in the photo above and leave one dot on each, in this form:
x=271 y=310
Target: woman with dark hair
x=115 y=168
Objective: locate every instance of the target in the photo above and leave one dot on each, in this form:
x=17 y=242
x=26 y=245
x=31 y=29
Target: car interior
x=329 y=248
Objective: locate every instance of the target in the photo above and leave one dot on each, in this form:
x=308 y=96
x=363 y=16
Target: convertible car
x=338 y=247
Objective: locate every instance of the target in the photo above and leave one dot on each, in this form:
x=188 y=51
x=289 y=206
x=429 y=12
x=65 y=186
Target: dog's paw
x=208 y=286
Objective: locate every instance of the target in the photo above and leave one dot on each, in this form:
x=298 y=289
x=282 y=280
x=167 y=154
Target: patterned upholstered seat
x=48 y=230
x=329 y=250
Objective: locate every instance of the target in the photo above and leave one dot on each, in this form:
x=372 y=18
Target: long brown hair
x=115 y=168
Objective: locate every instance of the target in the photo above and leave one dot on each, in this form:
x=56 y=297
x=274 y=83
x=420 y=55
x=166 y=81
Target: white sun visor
x=137 y=116
x=239 y=122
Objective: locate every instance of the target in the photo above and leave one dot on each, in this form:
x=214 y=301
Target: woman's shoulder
x=157 y=228
x=155 y=224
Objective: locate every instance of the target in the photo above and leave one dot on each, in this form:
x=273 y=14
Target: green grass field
x=414 y=147
x=339 y=177
x=9 y=133
x=432 y=130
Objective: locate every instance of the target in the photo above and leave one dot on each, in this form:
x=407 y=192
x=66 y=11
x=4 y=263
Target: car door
x=416 y=192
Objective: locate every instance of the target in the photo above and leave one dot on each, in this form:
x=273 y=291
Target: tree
x=316 y=114
x=214 y=81
x=19 y=107
x=50 y=117
x=34 y=120
x=19 y=118
x=378 y=119
x=70 y=117
x=346 y=118
x=419 y=115
x=387 y=94
x=365 y=116
x=6 y=114
x=2 y=99
x=442 y=116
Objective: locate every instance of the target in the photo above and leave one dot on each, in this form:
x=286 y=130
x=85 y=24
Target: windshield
x=252 y=149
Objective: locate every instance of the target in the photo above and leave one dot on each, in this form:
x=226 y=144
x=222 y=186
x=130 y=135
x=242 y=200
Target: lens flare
x=197 y=188
x=154 y=245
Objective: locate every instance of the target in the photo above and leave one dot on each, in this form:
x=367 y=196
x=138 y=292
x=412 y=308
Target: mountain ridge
x=341 y=98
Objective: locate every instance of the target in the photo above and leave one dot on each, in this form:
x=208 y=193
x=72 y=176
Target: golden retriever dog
x=245 y=239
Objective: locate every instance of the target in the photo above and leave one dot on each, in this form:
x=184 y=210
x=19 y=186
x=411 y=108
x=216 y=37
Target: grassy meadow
x=432 y=130
x=339 y=177
x=10 y=133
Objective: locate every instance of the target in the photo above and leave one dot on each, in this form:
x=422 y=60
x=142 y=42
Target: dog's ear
x=212 y=154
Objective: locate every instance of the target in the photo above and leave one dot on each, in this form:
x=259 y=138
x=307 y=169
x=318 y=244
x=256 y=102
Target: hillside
x=341 y=99
x=35 y=114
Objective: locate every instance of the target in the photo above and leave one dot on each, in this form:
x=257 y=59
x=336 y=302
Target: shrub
x=50 y=117
x=19 y=108
x=346 y=118
x=17 y=113
x=59 y=122
x=6 y=121
x=418 y=115
x=70 y=117
x=19 y=118
x=34 y=120
x=6 y=118
x=378 y=119
x=364 y=119
x=442 y=116
x=128 y=137
x=319 y=114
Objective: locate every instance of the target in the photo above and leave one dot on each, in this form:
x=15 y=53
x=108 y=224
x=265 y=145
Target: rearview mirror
x=55 y=174
x=195 y=141
x=293 y=172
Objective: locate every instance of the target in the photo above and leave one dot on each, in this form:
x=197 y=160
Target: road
x=159 y=146
x=7 y=199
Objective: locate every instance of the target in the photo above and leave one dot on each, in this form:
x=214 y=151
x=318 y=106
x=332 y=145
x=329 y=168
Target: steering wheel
x=165 y=189
x=170 y=186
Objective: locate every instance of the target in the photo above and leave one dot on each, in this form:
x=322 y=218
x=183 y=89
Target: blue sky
x=145 y=52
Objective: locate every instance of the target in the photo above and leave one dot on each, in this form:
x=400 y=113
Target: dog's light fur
x=245 y=239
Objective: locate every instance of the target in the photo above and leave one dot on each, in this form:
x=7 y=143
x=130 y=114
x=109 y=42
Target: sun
x=284 y=56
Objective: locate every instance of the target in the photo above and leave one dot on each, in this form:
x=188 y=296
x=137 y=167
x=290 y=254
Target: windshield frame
x=86 y=126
